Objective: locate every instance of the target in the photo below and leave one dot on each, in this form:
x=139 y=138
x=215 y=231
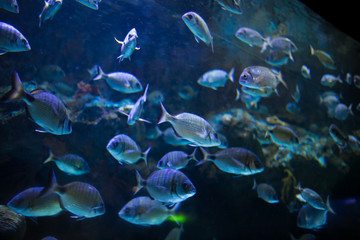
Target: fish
x=313 y=198
x=146 y=212
x=329 y=80
x=252 y=37
x=305 y=72
x=311 y=218
x=10 y=5
x=250 y=100
x=354 y=143
x=338 y=136
x=234 y=160
x=167 y=185
x=282 y=44
x=70 y=163
x=324 y=58
x=277 y=58
x=283 y=135
x=259 y=77
x=330 y=101
x=128 y=46
x=296 y=96
x=136 y=110
x=44 y=108
x=28 y=203
x=125 y=150
x=342 y=111
x=293 y=108
x=276 y=120
x=120 y=81
x=192 y=128
x=81 y=199
x=199 y=28
x=51 y=72
x=12 y=40
x=176 y=160
x=233 y=6
x=171 y=138
x=155 y=97
x=266 y=192
x=348 y=79
x=216 y=78
x=356 y=80
x=187 y=92
x=50 y=9
x=93 y=4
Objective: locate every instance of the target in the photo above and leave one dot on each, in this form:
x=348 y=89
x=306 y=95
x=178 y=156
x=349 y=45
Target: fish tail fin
x=205 y=156
x=193 y=155
x=280 y=77
x=231 y=74
x=328 y=206
x=100 y=74
x=121 y=57
x=145 y=92
x=351 y=112
x=312 y=50
x=164 y=114
x=51 y=185
x=238 y=94
x=291 y=56
x=145 y=155
x=17 y=90
x=339 y=79
x=266 y=44
x=50 y=158
x=255 y=185
x=119 y=42
x=139 y=181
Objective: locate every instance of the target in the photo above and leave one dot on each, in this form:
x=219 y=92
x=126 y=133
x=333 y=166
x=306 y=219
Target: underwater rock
x=12 y=224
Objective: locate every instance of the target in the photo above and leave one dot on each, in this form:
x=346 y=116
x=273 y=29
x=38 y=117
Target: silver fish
x=167 y=185
x=50 y=9
x=28 y=203
x=233 y=6
x=282 y=44
x=44 y=108
x=93 y=4
x=235 y=160
x=305 y=72
x=199 y=28
x=10 y=5
x=324 y=58
x=266 y=192
x=79 y=198
x=311 y=218
x=339 y=137
x=11 y=40
x=120 y=81
x=176 y=160
x=277 y=58
x=329 y=80
x=136 y=110
x=145 y=211
x=313 y=198
x=69 y=163
x=283 y=136
x=216 y=78
x=192 y=128
x=252 y=37
x=341 y=111
x=128 y=46
x=125 y=150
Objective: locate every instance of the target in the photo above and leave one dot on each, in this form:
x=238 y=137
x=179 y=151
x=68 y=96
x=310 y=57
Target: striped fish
x=11 y=40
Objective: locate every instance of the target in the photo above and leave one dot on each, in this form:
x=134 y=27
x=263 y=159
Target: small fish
x=125 y=150
x=145 y=211
x=324 y=58
x=330 y=101
x=187 y=92
x=120 y=81
x=252 y=37
x=51 y=72
x=235 y=160
x=277 y=58
x=313 y=198
x=128 y=46
x=305 y=72
x=79 y=198
x=136 y=110
x=293 y=108
x=329 y=80
x=354 y=143
x=10 y=5
x=348 y=79
x=171 y=138
x=155 y=97
x=233 y=6
x=44 y=108
x=261 y=77
x=192 y=128
x=251 y=101
x=266 y=192
x=11 y=40
x=275 y=120
x=283 y=136
x=50 y=9
x=199 y=28
x=93 y=4
x=216 y=78
x=28 y=203
x=356 y=81
x=167 y=185
x=176 y=160
x=282 y=44
x=338 y=136
x=69 y=163
x=342 y=111
x=311 y=218
x=296 y=96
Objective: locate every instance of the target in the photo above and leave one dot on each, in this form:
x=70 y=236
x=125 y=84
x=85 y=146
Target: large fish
x=10 y=5
x=199 y=28
x=120 y=81
x=128 y=46
x=192 y=128
x=50 y=9
x=79 y=198
x=167 y=185
x=28 y=203
x=44 y=108
x=11 y=40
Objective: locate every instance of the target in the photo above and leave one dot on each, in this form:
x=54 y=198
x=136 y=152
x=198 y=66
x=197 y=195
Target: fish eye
x=190 y=16
x=186 y=186
x=115 y=143
x=244 y=76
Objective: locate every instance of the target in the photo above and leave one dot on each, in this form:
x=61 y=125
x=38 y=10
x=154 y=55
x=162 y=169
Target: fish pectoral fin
x=123 y=113
x=78 y=218
x=196 y=38
x=41 y=130
x=144 y=120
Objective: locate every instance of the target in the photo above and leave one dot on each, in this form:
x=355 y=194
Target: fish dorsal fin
x=37 y=90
